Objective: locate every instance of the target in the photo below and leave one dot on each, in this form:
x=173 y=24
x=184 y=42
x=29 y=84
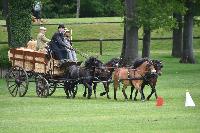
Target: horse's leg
x=66 y=89
x=94 y=89
x=124 y=93
x=115 y=90
x=89 y=86
x=106 y=86
x=156 y=93
x=142 y=95
x=136 y=92
x=105 y=92
x=85 y=92
x=67 y=93
x=132 y=88
x=75 y=91
x=153 y=90
x=142 y=92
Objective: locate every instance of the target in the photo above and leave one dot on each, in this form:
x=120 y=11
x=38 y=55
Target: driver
x=58 y=46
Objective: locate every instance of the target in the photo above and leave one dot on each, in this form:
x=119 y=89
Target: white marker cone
x=188 y=101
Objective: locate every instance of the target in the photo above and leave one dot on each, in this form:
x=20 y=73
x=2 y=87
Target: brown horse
x=132 y=76
x=150 y=79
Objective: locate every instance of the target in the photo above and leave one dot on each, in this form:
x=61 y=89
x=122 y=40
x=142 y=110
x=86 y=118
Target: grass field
x=58 y=114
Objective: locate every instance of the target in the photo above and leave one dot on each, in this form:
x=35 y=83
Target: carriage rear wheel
x=17 y=81
x=42 y=86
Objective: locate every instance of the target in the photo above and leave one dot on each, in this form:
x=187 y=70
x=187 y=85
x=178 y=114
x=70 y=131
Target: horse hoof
x=148 y=99
x=143 y=100
x=130 y=97
x=108 y=97
x=115 y=99
x=84 y=95
x=88 y=97
x=135 y=99
x=102 y=94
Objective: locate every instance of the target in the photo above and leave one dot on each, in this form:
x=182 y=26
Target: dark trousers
x=59 y=52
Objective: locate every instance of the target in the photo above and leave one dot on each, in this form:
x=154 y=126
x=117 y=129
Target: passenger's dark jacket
x=58 y=46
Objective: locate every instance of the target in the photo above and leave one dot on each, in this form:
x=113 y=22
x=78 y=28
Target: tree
x=153 y=15
x=187 y=54
x=131 y=32
x=78 y=9
x=19 y=22
x=177 y=36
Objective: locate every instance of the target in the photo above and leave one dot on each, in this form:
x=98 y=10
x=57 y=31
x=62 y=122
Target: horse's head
x=158 y=66
x=149 y=67
x=93 y=62
x=113 y=63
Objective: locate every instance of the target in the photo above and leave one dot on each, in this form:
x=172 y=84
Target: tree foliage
x=156 y=14
x=19 y=22
x=88 y=8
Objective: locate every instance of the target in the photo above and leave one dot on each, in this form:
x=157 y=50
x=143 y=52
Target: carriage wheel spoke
x=14 y=90
x=22 y=90
x=10 y=86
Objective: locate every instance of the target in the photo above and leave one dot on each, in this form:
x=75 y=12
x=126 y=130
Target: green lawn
x=58 y=114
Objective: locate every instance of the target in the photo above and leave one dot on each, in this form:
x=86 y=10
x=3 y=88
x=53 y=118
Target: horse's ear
x=96 y=56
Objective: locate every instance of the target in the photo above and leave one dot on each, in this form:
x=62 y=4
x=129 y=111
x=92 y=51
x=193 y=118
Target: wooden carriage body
x=34 y=61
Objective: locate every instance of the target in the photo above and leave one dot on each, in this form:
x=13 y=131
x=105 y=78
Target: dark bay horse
x=105 y=75
x=81 y=75
x=150 y=79
x=132 y=76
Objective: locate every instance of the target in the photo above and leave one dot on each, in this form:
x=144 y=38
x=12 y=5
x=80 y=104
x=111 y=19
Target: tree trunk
x=177 y=37
x=187 y=55
x=78 y=8
x=146 y=43
x=131 y=50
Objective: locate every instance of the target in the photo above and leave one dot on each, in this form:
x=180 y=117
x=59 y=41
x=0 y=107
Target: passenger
x=71 y=51
x=58 y=46
x=42 y=40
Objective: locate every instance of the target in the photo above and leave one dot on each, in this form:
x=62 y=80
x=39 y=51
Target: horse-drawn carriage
x=33 y=66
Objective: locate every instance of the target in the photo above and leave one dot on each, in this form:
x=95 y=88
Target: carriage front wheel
x=17 y=81
x=42 y=86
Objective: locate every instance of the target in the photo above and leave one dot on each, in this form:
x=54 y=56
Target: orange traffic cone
x=159 y=101
x=188 y=101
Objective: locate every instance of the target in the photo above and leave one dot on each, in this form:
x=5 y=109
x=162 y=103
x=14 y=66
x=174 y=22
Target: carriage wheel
x=17 y=81
x=52 y=88
x=42 y=86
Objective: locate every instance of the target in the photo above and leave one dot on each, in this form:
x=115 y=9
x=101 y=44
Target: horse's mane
x=139 y=62
x=157 y=63
x=112 y=60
